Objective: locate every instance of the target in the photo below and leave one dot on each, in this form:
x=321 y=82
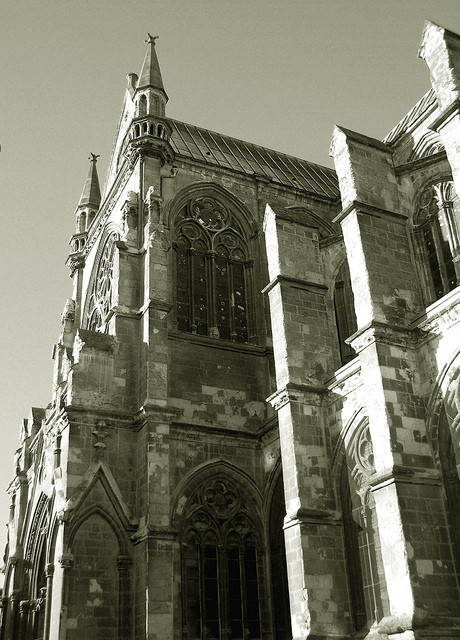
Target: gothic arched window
x=220 y=567
x=451 y=487
x=436 y=229
x=101 y=286
x=344 y=312
x=369 y=600
x=213 y=272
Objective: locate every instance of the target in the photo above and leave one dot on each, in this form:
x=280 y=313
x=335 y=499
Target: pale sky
x=279 y=74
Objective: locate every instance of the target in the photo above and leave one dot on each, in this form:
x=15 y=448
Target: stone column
x=49 y=572
x=24 y=608
x=4 y=602
x=302 y=340
x=440 y=49
x=406 y=486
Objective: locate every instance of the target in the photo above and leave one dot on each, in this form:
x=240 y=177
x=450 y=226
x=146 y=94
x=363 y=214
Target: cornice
x=294 y=392
x=420 y=163
x=439 y=316
x=447 y=114
x=308 y=285
x=312 y=516
x=187 y=430
x=371 y=210
x=383 y=333
x=217 y=343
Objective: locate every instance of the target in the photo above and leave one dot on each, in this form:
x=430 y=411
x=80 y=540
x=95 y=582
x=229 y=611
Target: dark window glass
x=344 y=312
x=211 y=272
x=437 y=230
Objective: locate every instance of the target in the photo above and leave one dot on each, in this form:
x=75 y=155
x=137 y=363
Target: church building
x=254 y=429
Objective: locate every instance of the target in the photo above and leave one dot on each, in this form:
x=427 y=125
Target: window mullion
x=231 y=292
x=251 y=327
x=437 y=239
x=191 y=288
x=448 y=208
x=202 y=590
x=429 y=289
x=211 y=291
x=225 y=631
x=244 y=612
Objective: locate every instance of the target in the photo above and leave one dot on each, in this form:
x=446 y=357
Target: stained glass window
x=436 y=230
x=220 y=568
x=212 y=272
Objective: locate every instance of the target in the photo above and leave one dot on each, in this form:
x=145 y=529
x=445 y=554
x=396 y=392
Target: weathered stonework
x=254 y=426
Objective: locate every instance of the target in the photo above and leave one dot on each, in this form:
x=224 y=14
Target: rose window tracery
x=100 y=299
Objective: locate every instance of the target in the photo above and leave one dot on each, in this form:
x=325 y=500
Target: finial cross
x=93 y=157
x=151 y=39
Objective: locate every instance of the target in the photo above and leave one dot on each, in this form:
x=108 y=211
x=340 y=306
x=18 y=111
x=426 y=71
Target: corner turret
x=151 y=97
x=85 y=213
x=90 y=201
x=143 y=127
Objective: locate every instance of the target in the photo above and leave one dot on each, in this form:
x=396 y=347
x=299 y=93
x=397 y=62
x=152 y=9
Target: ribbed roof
x=213 y=148
x=427 y=101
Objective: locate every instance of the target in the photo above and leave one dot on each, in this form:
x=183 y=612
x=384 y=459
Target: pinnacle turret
x=150 y=76
x=91 y=194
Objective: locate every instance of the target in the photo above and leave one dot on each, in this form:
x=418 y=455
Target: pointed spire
x=91 y=194
x=151 y=75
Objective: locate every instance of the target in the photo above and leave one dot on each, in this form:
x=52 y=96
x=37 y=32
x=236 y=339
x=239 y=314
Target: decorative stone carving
x=209 y=213
x=362 y=453
x=222 y=500
x=100 y=298
x=66 y=560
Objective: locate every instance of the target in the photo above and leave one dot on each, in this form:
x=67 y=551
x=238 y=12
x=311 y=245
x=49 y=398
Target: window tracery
x=220 y=566
x=213 y=272
x=101 y=289
x=361 y=533
x=438 y=238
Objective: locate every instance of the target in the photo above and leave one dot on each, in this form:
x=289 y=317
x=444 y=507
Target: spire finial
x=93 y=157
x=150 y=76
x=151 y=39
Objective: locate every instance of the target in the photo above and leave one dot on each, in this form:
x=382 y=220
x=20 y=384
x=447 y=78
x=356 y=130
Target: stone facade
x=254 y=424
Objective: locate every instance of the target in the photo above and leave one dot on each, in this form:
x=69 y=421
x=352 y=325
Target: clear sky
x=280 y=74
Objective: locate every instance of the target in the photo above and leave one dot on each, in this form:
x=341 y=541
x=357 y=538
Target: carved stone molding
x=362 y=452
x=66 y=560
x=124 y=562
x=293 y=392
x=383 y=333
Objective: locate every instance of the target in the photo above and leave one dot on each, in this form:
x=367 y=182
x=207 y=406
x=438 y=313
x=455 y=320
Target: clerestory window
x=213 y=272
x=436 y=230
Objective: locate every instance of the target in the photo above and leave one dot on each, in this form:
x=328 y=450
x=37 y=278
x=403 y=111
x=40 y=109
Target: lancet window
x=437 y=232
x=213 y=272
x=369 y=600
x=344 y=312
x=220 y=567
x=101 y=287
